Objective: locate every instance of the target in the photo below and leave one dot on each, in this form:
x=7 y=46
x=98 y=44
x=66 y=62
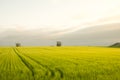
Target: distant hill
x=116 y=45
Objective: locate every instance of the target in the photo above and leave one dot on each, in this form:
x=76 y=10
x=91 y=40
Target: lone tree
x=18 y=44
x=59 y=43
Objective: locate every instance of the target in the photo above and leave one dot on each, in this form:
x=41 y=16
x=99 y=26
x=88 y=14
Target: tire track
x=28 y=65
x=60 y=72
x=52 y=72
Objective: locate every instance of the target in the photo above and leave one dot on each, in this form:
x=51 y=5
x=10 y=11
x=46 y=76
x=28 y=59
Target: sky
x=54 y=19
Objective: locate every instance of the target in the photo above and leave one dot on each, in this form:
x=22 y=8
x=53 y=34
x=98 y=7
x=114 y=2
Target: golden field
x=59 y=63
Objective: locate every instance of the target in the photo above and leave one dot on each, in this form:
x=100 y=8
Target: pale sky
x=56 y=17
x=57 y=13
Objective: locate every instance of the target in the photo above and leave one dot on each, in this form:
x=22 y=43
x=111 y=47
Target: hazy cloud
x=96 y=35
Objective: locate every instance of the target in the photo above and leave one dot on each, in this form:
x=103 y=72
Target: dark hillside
x=116 y=45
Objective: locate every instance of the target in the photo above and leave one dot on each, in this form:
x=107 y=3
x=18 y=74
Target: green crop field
x=59 y=63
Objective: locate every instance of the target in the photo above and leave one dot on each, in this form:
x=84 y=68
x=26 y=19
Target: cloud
x=96 y=35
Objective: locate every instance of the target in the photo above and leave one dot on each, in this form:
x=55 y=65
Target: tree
x=18 y=44
x=59 y=43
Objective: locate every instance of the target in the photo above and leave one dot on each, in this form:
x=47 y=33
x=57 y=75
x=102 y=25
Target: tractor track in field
x=27 y=64
x=52 y=72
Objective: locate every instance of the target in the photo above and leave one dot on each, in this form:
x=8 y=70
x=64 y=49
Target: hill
x=116 y=45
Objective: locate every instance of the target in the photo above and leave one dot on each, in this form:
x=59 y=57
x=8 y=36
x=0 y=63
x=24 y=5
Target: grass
x=59 y=63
